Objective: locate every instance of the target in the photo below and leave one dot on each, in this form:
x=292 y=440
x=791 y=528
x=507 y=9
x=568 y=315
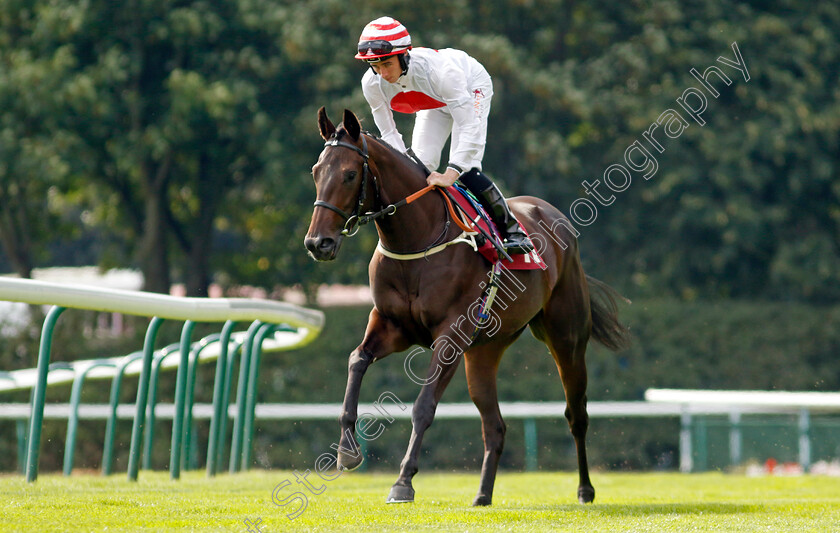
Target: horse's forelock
x=341 y=132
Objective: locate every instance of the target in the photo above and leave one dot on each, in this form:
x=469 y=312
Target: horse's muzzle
x=322 y=248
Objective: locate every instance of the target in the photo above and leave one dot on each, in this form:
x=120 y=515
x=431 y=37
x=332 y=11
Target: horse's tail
x=606 y=328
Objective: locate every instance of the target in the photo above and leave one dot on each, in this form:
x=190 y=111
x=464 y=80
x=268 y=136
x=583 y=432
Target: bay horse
x=422 y=299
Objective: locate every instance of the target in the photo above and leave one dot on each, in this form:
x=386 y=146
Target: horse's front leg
x=445 y=358
x=382 y=338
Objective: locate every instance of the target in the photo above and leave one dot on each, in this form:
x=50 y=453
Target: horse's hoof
x=400 y=494
x=482 y=500
x=348 y=463
x=586 y=494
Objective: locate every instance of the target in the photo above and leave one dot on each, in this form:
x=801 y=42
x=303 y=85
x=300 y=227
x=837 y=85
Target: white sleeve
x=451 y=83
x=382 y=114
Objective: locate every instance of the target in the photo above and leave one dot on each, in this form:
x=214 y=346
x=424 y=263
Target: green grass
x=353 y=502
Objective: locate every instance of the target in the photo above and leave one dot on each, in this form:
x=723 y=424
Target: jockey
x=450 y=92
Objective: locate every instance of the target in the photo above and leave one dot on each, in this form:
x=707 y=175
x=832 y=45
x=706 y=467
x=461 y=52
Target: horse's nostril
x=321 y=248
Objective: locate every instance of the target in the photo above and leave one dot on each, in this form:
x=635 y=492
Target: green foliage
x=675 y=345
x=181 y=134
x=178 y=136
x=731 y=345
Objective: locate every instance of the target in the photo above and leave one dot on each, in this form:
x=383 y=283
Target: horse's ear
x=351 y=124
x=324 y=125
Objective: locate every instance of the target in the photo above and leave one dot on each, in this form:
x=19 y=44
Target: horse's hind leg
x=573 y=372
x=566 y=335
x=481 y=366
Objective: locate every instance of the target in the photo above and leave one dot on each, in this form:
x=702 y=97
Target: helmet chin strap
x=404 y=59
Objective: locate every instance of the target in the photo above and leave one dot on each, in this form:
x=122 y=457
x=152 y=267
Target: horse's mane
x=341 y=131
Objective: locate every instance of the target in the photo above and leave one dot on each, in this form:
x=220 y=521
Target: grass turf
x=522 y=502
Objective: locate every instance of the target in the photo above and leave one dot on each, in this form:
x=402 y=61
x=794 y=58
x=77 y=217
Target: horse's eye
x=350 y=176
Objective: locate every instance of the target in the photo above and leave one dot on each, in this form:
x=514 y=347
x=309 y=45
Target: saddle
x=473 y=214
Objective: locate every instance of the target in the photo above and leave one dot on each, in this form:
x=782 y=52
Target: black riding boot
x=515 y=240
x=491 y=198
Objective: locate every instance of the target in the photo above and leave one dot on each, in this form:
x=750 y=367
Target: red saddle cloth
x=529 y=261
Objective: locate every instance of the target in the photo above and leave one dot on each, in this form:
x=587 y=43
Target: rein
x=357 y=219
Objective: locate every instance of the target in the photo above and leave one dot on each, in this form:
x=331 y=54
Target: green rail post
x=251 y=392
x=531 y=447
x=73 y=418
x=220 y=449
x=111 y=426
x=36 y=418
x=686 y=438
x=736 y=445
x=20 y=432
x=193 y=448
x=142 y=396
x=218 y=396
x=188 y=454
x=151 y=416
x=185 y=443
x=20 y=428
x=241 y=391
x=805 y=438
x=180 y=402
x=702 y=444
x=24 y=441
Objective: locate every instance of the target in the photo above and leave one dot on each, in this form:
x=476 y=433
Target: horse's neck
x=414 y=226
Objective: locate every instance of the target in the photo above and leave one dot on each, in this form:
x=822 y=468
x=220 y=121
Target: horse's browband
x=361 y=151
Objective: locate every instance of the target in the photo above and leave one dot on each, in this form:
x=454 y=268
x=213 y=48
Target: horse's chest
x=423 y=299
x=406 y=305
x=419 y=311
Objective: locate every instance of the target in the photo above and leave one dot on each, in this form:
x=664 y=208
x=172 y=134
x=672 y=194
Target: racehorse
x=422 y=291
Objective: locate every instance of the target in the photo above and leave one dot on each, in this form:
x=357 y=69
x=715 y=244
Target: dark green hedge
x=715 y=345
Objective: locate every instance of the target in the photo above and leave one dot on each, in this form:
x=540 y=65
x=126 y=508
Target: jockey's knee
x=427 y=157
x=475 y=180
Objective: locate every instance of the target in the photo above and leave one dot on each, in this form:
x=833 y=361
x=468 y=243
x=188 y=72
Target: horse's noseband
x=353 y=218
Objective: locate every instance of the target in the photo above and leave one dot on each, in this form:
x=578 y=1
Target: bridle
x=358 y=219
x=354 y=217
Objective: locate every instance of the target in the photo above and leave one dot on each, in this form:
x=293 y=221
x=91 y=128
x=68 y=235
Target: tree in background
x=185 y=132
x=34 y=149
x=173 y=120
x=165 y=101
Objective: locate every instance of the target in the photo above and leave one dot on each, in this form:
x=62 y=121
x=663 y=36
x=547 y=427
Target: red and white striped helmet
x=381 y=38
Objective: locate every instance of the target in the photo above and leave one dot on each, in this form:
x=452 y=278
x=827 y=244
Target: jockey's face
x=389 y=68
